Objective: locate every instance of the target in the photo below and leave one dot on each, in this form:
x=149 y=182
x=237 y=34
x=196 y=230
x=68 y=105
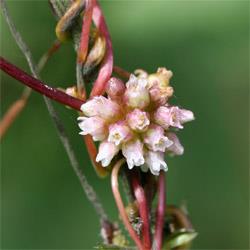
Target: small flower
x=103 y=107
x=160 y=97
x=176 y=148
x=107 y=150
x=133 y=152
x=162 y=117
x=138 y=120
x=94 y=126
x=159 y=88
x=179 y=116
x=136 y=94
x=155 y=162
x=172 y=116
x=155 y=140
x=119 y=133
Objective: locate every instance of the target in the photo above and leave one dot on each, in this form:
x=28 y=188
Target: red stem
x=84 y=43
x=107 y=64
x=39 y=86
x=160 y=213
x=143 y=209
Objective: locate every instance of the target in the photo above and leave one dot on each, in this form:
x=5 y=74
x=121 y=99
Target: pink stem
x=39 y=86
x=119 y=203
x=107 y=64
x=160 y=214
x=84 y=43
x=143 y=209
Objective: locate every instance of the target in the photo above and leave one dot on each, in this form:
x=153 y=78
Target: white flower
x=172 y=116
x=138 y=120
x=155 y=162
x=176 y=148
x=119 y=132
x=137 y=94
x=133 y=152
x=155 y=140
x=107 y=150
x=94 y=126
x=103 y=107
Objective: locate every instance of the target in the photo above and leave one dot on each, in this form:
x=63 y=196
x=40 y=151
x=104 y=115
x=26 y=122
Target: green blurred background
x=206 y=45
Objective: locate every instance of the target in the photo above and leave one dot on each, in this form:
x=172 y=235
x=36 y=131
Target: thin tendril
x=87 y=188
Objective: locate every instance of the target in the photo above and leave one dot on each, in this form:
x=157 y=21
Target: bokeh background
x=206 y=45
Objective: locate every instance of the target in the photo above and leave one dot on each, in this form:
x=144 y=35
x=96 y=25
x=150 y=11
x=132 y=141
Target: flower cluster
x=136 y=119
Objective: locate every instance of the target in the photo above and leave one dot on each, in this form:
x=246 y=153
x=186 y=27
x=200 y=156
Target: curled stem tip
x=119 y=203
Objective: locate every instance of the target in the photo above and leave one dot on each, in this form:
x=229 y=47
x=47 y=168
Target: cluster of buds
x=136 y=119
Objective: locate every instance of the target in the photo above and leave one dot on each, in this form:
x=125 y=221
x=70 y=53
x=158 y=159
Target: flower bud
x=155 y=140
x=133 y=152
x=119 y=133
x=138 y=120
x=115 y=88
x=94 y=126
x=107 y=150
x=136 y=94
